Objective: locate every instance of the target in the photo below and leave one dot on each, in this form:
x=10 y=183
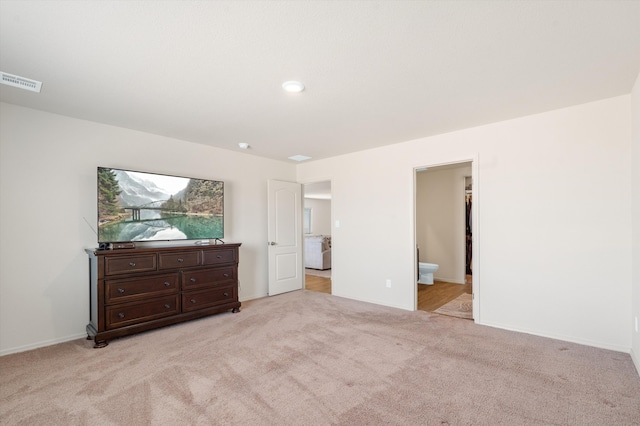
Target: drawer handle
x=167 y=306
x=167 y=283
x=180 y=260
x=121 y=290
x=121 y=315
x=132 y=263
x=226 y=294
x=226 y=275
x=219 y=256
x=193 y=280
x=193 y=300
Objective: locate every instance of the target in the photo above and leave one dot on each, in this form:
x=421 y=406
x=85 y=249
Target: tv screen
x=139 y=206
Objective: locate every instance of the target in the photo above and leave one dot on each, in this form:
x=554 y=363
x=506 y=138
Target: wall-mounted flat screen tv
x=140 y=206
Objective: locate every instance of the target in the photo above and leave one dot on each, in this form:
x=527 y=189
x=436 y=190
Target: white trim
x=475 y=238
x=373 y=302
x=636 y=360
x=304 y=182
x=42 y=344
x=475 y=177
x=586 y=342
x=448 y=280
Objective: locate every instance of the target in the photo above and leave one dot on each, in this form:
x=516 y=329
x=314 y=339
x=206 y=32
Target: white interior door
x=284 y=216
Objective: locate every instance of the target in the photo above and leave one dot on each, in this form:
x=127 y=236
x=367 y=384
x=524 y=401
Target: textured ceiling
x=376 y=72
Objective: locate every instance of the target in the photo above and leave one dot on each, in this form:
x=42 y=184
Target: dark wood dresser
x=134 y=290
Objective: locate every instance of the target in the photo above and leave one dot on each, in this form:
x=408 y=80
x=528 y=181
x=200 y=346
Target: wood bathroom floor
x=431 y=297
x=320 y=284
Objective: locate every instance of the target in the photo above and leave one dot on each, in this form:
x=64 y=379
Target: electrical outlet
x=389 y=284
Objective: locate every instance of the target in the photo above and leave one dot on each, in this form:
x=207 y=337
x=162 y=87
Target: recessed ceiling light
x=299 y=158
x=293 y=86
x=243 y=145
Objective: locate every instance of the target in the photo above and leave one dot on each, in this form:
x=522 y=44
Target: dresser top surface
x=161 y=249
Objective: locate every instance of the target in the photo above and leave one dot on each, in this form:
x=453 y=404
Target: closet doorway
x=318 y=244
x=444 y=237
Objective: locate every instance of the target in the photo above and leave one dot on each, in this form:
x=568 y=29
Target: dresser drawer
x=208 y=277
x=118 y=291
x=216 y=257
x=178 y=260
x=134 y=313
x=129 y=264
x=201 y=299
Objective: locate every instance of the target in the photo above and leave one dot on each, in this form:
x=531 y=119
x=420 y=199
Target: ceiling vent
x=299 y=157
x=20 y=82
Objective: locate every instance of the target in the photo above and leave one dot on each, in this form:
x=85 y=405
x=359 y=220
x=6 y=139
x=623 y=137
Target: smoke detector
x=20 y=82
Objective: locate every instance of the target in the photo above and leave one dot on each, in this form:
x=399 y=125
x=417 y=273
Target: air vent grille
x=20 y=82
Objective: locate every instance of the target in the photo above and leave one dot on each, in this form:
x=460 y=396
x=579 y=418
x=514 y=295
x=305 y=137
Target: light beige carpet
x=460 y=307
x=307 y=358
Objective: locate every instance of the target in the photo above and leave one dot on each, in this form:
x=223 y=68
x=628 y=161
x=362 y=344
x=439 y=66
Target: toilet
x=425 y=271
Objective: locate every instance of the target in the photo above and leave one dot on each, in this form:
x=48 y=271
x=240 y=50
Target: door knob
x=272 y=243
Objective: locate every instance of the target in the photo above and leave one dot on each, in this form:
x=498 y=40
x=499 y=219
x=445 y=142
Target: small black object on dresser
x=139 y=289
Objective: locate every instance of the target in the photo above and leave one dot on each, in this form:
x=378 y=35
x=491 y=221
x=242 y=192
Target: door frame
x=307 y=182
x=475 y=239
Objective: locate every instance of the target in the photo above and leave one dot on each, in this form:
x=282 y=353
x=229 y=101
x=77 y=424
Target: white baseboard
x=570 y=339
x=247 y=297
x=41 y=344
x=449 y=280
x=636 y=360
x=375 y=302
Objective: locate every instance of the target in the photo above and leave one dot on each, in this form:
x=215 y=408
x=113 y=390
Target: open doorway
x=317 y=236
x=444 y=249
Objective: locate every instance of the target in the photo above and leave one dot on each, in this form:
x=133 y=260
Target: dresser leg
x=100 y=344
x=235 y=310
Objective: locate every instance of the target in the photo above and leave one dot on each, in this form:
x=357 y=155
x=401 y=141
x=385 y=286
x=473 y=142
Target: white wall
x=48 y=194
x=320 y=215
x=565 y=173
x=635 y=297
x=440 y=220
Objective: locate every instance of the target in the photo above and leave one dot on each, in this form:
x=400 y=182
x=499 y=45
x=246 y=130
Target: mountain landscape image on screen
x=137 y=206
